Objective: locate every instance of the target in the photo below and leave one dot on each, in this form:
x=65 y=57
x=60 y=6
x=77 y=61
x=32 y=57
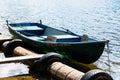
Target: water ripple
x=100 y=19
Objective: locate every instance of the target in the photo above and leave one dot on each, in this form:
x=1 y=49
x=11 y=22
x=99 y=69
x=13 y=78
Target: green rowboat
x=48 y=39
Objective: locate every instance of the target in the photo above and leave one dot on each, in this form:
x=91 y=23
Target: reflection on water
x=99 y=19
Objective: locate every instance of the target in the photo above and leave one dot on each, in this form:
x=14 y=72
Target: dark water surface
x=100 y=19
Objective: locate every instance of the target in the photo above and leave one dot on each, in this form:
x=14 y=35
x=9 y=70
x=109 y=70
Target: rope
x=108 y=52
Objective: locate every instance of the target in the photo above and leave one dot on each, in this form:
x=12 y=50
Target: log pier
x=51 y=63
x=57 y=69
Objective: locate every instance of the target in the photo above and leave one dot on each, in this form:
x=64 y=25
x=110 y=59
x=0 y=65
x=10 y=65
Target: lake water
x=100 y=19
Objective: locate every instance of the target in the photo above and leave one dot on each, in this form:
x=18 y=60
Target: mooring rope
x=108 y=52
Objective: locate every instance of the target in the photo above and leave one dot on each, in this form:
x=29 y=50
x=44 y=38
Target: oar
x=84 y=37
x=68 y=31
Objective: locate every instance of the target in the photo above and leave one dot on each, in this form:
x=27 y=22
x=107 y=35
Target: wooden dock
x=50 y=63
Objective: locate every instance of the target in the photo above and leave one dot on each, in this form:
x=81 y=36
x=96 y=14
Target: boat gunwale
x=81 y=42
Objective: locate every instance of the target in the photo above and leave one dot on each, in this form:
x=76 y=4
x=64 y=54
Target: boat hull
x=84 y=52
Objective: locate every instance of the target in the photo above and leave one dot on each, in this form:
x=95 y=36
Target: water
x=100 y=19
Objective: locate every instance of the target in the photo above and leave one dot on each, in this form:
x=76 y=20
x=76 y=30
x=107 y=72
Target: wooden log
x=20 y=51
x=4 y=38
x=25 y=55
x=64 y=72
x=56 y=68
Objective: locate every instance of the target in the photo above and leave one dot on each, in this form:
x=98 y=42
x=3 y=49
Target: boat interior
x=44 y=33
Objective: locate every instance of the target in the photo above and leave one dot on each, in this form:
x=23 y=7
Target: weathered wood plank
x=20 y=58
x=4 y=38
